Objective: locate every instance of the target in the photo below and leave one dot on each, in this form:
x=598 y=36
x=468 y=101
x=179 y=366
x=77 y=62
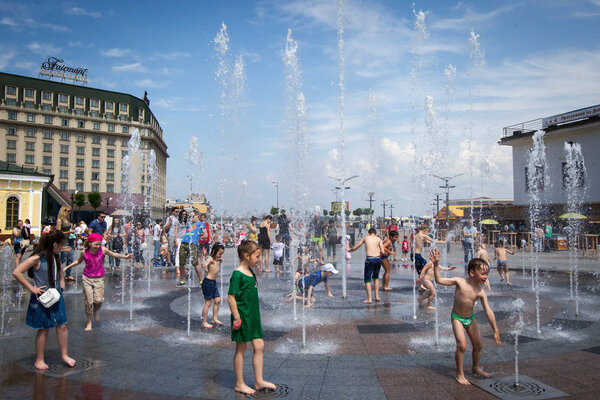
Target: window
x=79 y=111
x=80 y=163
x=123 y=153
x=95 y=163
x=96 y=151
x=140 y=113
x=46 y=95
x=125 y=129
x=63 y=98
x=64 y=149
x=122 y=107
x=79 y=186
x=110 y=141
x=11 y=157
x=64 y=121
x=79 y=174
x=11 y=144
x=95 y=176
x=30 y=132
x=47 y=147
x=79 y=100
x=29 y=159
x=62 y=109
x=109 y=105
x=110 y=188
x=80 y=123
x=64 y=185
x=47 y=160
x=110 y=165
x=12 y=131
x=29 y=93
x=48 y=119
x=81 y=137
x=110 y=115
x=94 y=114
x=124 y=142
x=11 y=102
x=30 y=146
x=573 y=177
x=64 y=136
x=111 y=127
x=94 y=103
x=536 y=181
x=47 y=171
x=12 y=209
x=96 y=125
x=30 y=117
x=48 y=134
x=46 y=107
x=28 y=104
x=12 y=115
x=64 y=173
x=11 y=90
x=110 y=153
x=64 y=161
x=80 y=150
x=110 y=176
x=96 y=139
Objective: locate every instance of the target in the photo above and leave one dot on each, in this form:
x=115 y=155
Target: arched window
x=12 y=212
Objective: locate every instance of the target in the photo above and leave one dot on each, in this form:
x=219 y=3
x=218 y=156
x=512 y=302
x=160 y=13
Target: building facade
x=80 y=135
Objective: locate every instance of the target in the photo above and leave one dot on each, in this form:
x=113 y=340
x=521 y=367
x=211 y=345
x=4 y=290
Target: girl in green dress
x=245 y=318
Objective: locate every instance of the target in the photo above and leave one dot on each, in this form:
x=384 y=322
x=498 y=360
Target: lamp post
x=371 y=200
x=277 y=191
x=447 y=187
x=384 y=204
x=342 y=186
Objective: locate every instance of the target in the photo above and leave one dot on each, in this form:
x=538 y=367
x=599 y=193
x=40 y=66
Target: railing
x=522 y=128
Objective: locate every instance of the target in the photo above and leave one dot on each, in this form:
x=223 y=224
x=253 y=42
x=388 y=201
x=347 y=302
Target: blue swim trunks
x=372 y=268
x=419 y=262
x=209 y=289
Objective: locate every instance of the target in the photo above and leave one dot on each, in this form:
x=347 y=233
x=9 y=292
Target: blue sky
x=536 y=59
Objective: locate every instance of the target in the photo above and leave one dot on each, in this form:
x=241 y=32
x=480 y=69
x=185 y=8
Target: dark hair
x=46 y=246
x=252 y=218
x=499 y=243
x=278 y=237
x=393 y=234
x=372 y=230
x=181 y=218
x=477 y=263
x=269 y=216
x=331 y=221
x=173 y=209
x=215 y=249
x=246 y=247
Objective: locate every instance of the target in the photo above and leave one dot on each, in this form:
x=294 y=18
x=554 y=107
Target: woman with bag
x=43 y=266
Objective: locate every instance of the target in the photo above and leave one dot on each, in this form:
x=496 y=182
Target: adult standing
x=253 y=230
x=99 y=225
x=171 y=229
x=548 y=236
x=156 y=232
x=115 y=241
x=331 y=233
x=264 y=240
x=182 y=223
x=317 y=230
x=469 y=235
x=63 y=224
x=204 y=241
x=284 y=231
x=17 y=241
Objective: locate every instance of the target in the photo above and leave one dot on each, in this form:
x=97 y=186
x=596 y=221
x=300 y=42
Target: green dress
x=243 y=287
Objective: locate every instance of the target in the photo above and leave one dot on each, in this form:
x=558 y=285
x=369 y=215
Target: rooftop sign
x=571 y=116
x=54 y=68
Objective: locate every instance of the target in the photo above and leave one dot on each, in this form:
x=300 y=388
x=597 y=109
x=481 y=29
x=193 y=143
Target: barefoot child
x=304 y=261
x=421 y=238
x=209 y=285
x=426 y=288
x=93 y=275
x=502 y=265
x=388 y=245
x=467 y=292
x=405 y=250
x=305 y=286
x=43 y=266
x=245 y=318
x=483 y=254
x=278 y=248
x=374 y=249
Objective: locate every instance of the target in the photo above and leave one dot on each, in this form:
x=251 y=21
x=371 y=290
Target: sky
x=427 y=89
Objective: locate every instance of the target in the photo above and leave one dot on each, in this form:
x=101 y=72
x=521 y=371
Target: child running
x=93 y=275
x=245 y=318
x=502 y=262
x=374 y=249
x=43 y=266
x=426 y=288
x=305 y=286
x=278 y=248
x=209 y=285
x=468 y=291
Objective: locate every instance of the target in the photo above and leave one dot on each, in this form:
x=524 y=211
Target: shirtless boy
x=426 y=288
x=502 y=262
x=420 y=239
x=388 y=245
x=374 y=249
x=467 y=292
x=483 y=254
x=209 y=286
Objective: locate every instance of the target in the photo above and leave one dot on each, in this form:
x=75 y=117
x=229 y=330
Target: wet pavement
x=353 y=350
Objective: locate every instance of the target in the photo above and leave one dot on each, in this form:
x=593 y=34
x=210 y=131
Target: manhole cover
x=59 y=369
x=282 y=391
x=504 y=388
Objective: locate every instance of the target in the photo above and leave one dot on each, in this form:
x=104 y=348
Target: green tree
x=79 y=200
x=94 y=199
x=325 y=213
x=358 y=212
x=347 y=212
x=274 y=210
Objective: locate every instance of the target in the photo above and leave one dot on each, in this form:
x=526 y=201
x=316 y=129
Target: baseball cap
x=330 y=268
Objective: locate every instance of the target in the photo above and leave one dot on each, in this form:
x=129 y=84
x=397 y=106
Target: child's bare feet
x=41 y=365
x=462 y=380
x=387 y=289
x=482 y=373
x=430 y=307
x=377 y=299
x=245 y=389
x=96 y=317
x=206 y=325
x=88 y=327
x=69 y=361
x=367 y=301
x=268 y=270
x=264 y=385
x=217 y=322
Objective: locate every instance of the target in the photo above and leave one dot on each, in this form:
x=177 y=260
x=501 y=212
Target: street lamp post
x=447 y=187
x=371 y=200
x=384 y=204
x=277 y=191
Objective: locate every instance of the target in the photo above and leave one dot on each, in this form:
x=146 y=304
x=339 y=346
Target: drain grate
x=505 y=389
x=281 y=392
x=59 y=369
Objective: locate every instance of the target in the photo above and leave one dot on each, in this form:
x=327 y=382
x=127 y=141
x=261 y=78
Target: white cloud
x=174 y=55
x=469 y=18
x=43 y=48
x=115 y=52
x=82 y=12
x=8 y=21
x=134 y=67
x=252 y=57
x=149 y=83
x=5 y=57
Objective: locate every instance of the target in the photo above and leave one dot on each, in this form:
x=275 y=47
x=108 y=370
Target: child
x=405 y=251
x=43 y=266
x=304 y=259
x=93 y=275
x=305 y=286
x=426 y=288
x=502 y=265
x=483 y=254
x=421 y=239
x=374 y=249
x=388 y=245
x=278 y=248
x=209 y=285
x=245 y=318
x=468 y=291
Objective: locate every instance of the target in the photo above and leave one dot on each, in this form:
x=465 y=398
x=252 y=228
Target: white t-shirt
x=277 y=249
x=156 y=232
x=174 y=220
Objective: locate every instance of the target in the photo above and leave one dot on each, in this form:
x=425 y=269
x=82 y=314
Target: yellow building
x=21 y=196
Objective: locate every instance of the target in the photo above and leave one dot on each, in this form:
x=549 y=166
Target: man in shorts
x=317 y=229
x=171 y=229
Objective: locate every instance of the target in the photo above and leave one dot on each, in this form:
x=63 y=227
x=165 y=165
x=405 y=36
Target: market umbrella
x=572 y=215
x=120 y=213
x=489 y=222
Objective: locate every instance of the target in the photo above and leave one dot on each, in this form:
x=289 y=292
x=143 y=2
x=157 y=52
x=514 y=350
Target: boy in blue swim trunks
x=305 y=286
x=373 y=249
x=468 y=291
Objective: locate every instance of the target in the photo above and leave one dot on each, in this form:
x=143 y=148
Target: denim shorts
x=372 y=268
x=40 y=317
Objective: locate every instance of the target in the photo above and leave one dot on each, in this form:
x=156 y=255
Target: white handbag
x=49 y=297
